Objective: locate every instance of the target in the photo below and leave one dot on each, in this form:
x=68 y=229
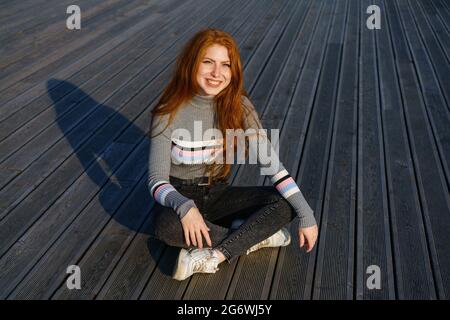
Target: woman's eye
x=228 y=65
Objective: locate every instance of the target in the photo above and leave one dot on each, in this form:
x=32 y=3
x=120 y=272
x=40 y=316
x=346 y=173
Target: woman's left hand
x=308 y=235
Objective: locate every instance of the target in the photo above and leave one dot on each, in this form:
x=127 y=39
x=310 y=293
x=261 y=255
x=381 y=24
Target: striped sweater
x=188 y=144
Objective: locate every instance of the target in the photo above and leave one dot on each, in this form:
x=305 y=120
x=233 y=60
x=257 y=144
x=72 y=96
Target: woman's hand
x=194 y=227
x=310 y=235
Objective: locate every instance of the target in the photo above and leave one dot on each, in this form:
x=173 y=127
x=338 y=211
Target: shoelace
x=202 y=264
x=199 y=265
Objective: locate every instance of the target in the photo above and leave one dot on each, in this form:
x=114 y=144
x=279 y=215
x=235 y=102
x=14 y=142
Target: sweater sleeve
x=159 y=169
x=279 y=176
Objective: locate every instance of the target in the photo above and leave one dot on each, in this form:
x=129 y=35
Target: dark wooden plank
x=81 y=69
x=266 y=49
x=266 y=69
x=334 y=275
x=31 y=40
x=437 y=55
x=11 y=8
x=131 y=71
x=65 y=57
x=24 y=100
x=17 y=129
x=399 y=169
x=442 y=14
x=18 y=18
x=431 y=195
x=411 y=258
x=42 y=49
x=373 y=236
x=293 y=262
x=60 y=57
x=161 y=286
x=72 y=121
x=45 y=232
x=138 y=263
x=442 y=5
x=432 y=90
x=54 y=16
x=247 y=285
x=432 y=17
x=72 y=168
x=102 y=256
x=433 y=96
x=274 y=117
x=50 y=271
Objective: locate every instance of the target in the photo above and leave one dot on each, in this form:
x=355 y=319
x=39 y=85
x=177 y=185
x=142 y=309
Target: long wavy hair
x=183 y=86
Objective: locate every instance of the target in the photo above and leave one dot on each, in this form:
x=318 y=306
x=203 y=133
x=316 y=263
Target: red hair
x=183 y=86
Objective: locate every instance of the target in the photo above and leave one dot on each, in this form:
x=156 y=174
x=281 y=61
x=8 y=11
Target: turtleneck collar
x=203 y=102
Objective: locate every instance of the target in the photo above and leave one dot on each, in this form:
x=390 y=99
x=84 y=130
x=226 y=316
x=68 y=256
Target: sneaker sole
x=288 y=242
x=180 y=269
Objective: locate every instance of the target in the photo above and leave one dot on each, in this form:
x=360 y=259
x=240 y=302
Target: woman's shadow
x=109 y=157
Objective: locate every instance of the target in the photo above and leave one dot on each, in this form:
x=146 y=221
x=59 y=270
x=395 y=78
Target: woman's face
x=214 y=73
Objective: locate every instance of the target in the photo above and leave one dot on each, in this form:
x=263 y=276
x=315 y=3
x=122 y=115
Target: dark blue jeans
x=263 y=208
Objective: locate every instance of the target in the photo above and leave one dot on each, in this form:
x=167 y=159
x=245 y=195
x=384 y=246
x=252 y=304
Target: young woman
x=189 y=142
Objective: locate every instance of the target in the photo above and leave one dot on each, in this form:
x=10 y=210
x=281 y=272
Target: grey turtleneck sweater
x=172 y=154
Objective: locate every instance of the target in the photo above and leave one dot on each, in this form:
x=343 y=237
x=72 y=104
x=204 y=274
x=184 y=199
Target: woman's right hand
x=194 y=227
x=308 y=236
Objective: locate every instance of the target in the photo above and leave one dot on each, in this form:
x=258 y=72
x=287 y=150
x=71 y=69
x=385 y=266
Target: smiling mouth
x=213 y=83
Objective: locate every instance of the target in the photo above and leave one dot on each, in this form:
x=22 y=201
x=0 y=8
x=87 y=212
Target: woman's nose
x=216 y=71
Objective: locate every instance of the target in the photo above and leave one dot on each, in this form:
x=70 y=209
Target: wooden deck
x=365 y=129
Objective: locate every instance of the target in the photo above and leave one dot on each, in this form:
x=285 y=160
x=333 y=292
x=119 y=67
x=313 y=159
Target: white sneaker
x=194 y=261
x=280 y=239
